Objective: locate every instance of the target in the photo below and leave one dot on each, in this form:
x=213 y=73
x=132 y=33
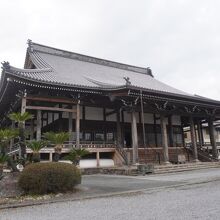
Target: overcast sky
x=178 y=39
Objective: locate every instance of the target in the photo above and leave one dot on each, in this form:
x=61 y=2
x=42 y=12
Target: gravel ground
x=8 y=186
x=197 y=201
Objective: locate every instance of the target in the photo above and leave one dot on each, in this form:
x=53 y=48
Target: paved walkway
x=99 y=184
x=157 y=198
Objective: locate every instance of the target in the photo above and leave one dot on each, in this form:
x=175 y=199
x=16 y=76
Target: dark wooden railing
x=89 y=144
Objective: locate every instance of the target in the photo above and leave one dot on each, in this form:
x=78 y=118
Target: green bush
x=41 y=178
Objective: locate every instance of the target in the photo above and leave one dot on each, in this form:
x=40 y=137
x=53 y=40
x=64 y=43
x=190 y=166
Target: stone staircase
x=202 y=154
x=171 y=168
x=158 y=169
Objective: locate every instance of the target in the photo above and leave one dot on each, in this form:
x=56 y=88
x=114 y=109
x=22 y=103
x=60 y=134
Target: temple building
x=115 y=110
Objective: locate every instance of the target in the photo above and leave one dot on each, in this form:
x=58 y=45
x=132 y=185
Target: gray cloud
x=178 y=39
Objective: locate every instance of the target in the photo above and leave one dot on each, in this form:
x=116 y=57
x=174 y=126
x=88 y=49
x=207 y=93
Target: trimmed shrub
x=41 y=178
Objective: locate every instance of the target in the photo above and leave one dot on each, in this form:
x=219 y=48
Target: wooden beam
x=122 y=93
x=55 y=109
x=110 y=113
x=48 y=99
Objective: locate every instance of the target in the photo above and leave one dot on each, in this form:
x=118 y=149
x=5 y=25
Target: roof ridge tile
x=72 y=55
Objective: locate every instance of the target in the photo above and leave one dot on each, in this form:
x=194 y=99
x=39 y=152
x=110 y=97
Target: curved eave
x=54 y=85
x=21 y=75
x=184 y=97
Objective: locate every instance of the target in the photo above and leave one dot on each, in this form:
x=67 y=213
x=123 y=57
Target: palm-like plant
x=3 y=160
x=58 y=140
x=21 y=118
x=5 y=136
x=36 y=146
x=76 y=154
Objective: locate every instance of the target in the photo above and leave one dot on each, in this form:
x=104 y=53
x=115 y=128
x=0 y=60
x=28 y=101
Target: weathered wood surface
x=44 y=108
x=164 y=138
x=47 y=99
x=193 y=137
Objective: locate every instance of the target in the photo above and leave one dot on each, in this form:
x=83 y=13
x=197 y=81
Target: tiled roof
x=72 y=69
x=64 y=68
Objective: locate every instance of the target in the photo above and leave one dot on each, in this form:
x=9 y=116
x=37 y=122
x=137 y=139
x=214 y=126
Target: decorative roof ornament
x=149 y=71
x=161 y=106
x=30 y=45
x=127 y=80
x=210 y=112
x=5 y=65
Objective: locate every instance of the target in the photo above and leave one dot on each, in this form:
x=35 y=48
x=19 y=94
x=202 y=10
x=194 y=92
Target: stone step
x=185 y=168
x=186 y=165
x=181 y=170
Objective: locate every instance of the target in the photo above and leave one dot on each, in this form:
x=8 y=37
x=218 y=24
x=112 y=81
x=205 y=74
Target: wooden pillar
x=39 y=125
x=104 y=129
x=212 y=138
x=47 y=118
x=164 y=138
x=119 y=140
x=134 y=137
x=77 y=125
x=53 y=118
x=199 y=131
x=183 y=136
x=70 y=126
x=23 y=107
x=83 y=121
x=32 y=129
x=141 y=116
x=22 y=151
x=193 y=138
x=202 y=137
x=50 y=156
x=12 y=140
x=170 y=128
x=98 y=158
x=155 y=130
x=122 y=129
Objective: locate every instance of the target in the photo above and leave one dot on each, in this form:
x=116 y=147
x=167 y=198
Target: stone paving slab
x=99 y=186
x=198 y=201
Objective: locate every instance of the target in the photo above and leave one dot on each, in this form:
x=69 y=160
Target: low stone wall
x=129 y=171
x=155 y=155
